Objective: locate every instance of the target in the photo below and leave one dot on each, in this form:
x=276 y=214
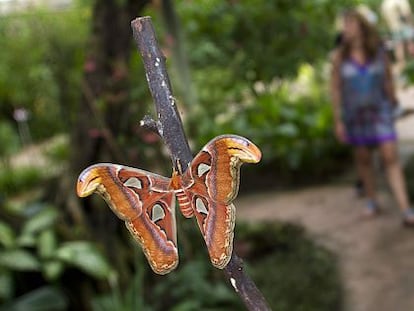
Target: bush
x=291 y=122
x=292 y=271
x=9 y=140
x=41 y=66
x=17 y=180
x=32 y=255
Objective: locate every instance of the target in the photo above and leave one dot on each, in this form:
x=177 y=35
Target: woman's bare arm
x=389 y=81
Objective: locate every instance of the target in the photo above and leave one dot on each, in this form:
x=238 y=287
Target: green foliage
x=131 y=298
x=281 y=259
x=291 y=121
x=193 y=287
x=85 y=256
x=15 y=180
x=7 y=236
x=291 y=270
x=46 y=298
x=258 y=39
x=9 y=139
x=41 y=218
x=58 y=152
x=259 y=70
x=33 y=245
x=18 y=260
x=41 y=66
x=232 y=45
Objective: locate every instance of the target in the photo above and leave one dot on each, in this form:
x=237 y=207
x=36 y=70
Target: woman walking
x=364 y=99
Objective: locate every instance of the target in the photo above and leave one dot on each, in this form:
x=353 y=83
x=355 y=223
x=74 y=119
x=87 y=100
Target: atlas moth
x=146 y=201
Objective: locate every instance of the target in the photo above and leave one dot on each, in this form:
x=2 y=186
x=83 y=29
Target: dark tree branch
x=169 y=122
x=149 y=123
x=170 y=128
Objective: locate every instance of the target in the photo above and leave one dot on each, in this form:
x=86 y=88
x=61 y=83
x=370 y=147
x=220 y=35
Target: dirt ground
x=376 y=256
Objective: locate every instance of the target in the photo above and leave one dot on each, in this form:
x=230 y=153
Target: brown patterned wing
x=211 y=184
x=144 y=201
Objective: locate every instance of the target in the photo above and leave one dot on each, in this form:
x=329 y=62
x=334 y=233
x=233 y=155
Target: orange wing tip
x=88 y=182
x=252 y=154
x=162 y=264
x=222 y=262
x=238 y=146
x=164 y=269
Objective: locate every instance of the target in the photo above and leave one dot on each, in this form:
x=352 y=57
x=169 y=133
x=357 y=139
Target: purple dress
x=366 y=110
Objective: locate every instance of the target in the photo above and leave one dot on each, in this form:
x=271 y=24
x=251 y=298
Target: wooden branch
x=169 y=122
x=170 y=128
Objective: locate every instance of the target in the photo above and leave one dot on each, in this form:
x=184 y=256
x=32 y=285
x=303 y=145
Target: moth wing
x=220 y=162
x=144 y=201
x=216 y=222
x=211 y=183
x=155 y=230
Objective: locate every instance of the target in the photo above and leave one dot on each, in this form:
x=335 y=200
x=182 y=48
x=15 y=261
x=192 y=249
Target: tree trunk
x=103 y=110
x=102 y=118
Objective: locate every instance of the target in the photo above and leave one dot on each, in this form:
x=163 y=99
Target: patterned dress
x=366 y=111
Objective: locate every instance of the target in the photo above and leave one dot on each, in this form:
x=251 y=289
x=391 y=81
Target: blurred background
x=72 y=93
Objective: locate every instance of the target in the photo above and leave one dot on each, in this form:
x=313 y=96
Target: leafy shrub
x=258 y=40
x=58 y=151
x=30 y=246
x=41 y=66
x=295 y=131
x=15 y=180
x=9 y=139
x=291 y=270
x=290 y=120
x=46 y=298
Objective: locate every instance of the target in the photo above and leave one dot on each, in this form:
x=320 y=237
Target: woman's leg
x=364 y=164
x=395 y=175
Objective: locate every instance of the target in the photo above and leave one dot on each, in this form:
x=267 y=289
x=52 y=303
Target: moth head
x=243 y=149
x=88 y=181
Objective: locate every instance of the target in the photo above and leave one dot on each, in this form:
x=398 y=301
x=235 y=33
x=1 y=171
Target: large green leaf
x=86 y=257
x=40 y=221
x=52 y=269
x=7 y=236
x=46 y=298
x=17 y=259
x=26 y=240
x=46 y=243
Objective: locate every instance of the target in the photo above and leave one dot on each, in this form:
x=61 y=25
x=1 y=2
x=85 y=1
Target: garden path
x=374 y=255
